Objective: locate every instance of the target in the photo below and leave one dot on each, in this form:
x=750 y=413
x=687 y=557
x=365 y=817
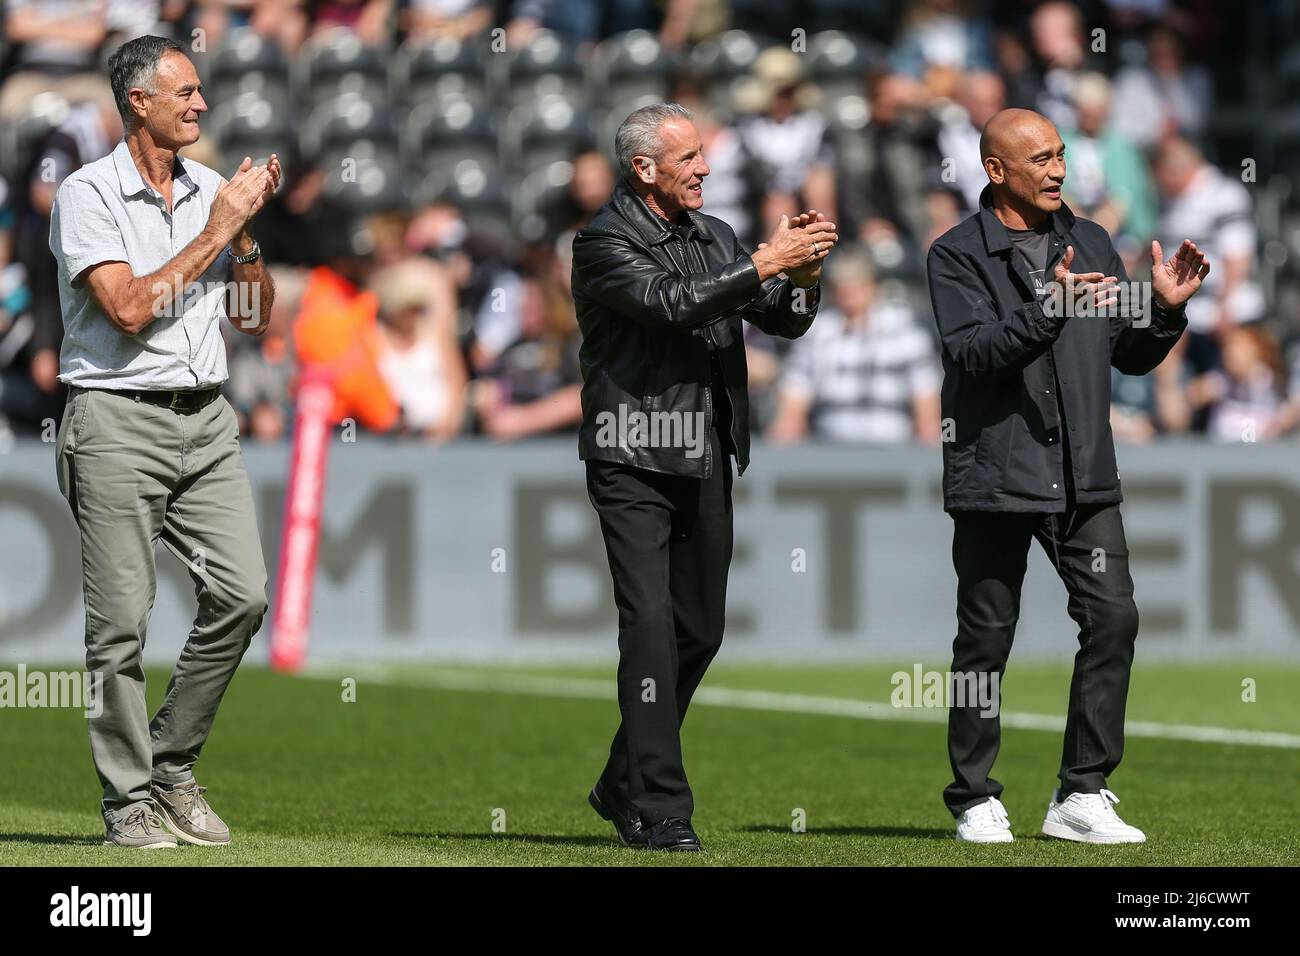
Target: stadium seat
x=839 y=62
x=266 y=86
x=538 y=193
x=251 y=126
x=245 y=51
x=444 y=68
x=338 y=63
x=535 y=135
x=550 y=64
x=477 y=192
x=630 y=65
x=364 y=177
x=345 y=120
x=724 y=65
x=441 y=132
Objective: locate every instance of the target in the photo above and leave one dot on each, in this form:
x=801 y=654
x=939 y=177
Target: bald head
x=1007 y=131
x=1025 y=161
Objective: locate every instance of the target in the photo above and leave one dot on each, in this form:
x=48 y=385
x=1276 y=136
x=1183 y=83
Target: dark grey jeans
x=1087 y=548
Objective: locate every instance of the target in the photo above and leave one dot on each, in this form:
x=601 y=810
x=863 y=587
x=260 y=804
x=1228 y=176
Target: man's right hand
x=1102 y=289
x=240 y=199
x=792 y=246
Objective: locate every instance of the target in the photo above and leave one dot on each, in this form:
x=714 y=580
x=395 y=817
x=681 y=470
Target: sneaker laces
x=141 y=818
x=193 y=800
x=988 y=813
x=1099 y=805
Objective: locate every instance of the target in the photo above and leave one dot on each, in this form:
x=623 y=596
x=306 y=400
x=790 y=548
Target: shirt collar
x=655 y=229
x=996 y=237
x=132 y=183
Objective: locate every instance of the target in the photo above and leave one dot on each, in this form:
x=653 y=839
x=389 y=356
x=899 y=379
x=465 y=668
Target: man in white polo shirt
x=154 y=251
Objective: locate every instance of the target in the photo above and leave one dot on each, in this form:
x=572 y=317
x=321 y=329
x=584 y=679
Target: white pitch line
x=588 y=689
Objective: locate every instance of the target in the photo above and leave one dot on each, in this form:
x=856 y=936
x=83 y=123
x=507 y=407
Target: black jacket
x=652 y=302
x=1002 y=359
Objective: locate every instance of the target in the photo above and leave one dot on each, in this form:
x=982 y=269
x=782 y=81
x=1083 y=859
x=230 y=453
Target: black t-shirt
x=1031 y=244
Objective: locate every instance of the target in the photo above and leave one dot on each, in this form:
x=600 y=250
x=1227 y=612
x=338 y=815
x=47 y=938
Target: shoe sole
x=1063 y=831
x=603 y=812
x=161 y=845
x=180 y=834
x=1002 y=838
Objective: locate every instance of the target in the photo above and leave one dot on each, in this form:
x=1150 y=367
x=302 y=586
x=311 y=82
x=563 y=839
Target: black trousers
x=1086 y=545
x=669 y=542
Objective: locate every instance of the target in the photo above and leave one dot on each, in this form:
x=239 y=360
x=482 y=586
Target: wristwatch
x=250 y=257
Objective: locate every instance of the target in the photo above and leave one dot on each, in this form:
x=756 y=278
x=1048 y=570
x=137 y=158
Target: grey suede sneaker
x=186 y=813
x=138 y=827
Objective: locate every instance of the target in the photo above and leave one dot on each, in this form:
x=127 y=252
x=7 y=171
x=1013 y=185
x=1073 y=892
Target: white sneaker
x=985 y=822
x=1089 y=818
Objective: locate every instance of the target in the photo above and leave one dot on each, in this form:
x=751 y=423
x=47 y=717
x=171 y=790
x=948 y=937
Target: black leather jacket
x=653 y=301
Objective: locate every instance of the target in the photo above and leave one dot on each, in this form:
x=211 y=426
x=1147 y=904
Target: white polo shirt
x=105 y=212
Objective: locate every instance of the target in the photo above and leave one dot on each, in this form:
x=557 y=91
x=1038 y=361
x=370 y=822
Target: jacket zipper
x=708 y=389
x=708 y=429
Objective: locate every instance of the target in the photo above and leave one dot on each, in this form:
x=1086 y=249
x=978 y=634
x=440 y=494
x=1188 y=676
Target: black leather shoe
x=674 y=835
x=627 y=823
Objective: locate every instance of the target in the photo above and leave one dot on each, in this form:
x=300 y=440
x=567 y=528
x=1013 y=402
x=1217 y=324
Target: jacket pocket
x=991 y=458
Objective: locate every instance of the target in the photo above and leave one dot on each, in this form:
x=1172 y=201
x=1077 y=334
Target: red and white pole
x=301 y=532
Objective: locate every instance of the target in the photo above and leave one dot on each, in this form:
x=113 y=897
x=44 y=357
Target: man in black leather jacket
x=1028 y=346
x=660 y=291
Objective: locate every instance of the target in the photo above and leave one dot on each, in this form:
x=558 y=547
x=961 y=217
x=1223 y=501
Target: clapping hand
x=240 y=199
x=1102 y=289
x=1176 y=281
x=799 y=246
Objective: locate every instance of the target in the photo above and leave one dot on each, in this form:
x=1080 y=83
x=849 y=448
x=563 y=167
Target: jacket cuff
x=1166 y=318
x=1047 y=325
x=812 y=294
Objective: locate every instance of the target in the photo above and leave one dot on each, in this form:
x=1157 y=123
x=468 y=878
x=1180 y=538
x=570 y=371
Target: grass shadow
x=923 y=833
x=547 y=839
x=51 y=839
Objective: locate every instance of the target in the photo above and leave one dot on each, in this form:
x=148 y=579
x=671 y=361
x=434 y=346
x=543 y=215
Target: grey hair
x=135 y=64
x=639 y=133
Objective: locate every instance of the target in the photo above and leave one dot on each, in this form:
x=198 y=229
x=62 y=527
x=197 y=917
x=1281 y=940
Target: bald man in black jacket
x=1028 y=345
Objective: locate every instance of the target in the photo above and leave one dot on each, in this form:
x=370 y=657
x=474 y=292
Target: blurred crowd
x=440 y=154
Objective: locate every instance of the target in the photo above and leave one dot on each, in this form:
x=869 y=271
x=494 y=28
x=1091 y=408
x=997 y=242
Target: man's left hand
x=806 y=276
x=243 y=242
x=1176 y=281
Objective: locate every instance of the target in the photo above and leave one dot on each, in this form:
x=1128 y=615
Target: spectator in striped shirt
x=867 y=372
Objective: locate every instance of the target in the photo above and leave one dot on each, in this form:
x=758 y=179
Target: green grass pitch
x=418 y=772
